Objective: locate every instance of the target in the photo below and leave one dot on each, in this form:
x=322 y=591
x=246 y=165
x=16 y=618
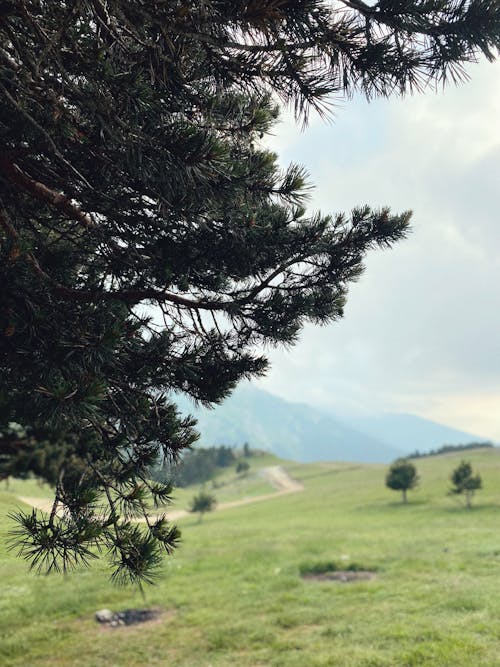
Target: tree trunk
x=405 y=499
x=468 y=496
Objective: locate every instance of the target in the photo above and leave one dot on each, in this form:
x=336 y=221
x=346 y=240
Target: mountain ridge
x=307 y=433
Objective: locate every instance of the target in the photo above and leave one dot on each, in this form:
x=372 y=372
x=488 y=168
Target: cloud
x=421 y=331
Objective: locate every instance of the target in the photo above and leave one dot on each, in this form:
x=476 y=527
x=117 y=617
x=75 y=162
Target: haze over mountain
x=410 y=433
x=306 y=433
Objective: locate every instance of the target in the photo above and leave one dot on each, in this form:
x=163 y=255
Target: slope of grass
x=227 y=485
x=233 y=594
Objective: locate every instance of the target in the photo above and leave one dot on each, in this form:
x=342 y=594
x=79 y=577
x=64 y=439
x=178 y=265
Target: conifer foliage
x=133 y=176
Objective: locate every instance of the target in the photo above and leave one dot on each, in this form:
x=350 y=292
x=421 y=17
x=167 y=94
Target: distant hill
x=289 y=430
x=409 y=432
x=306 y=433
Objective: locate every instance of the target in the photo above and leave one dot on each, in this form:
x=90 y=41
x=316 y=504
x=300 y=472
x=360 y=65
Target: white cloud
x=422 y=327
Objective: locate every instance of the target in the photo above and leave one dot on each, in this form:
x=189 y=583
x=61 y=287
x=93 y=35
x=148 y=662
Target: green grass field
x=233 y=596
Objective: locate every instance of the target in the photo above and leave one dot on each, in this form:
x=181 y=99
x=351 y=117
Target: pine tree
x=203 y=502
x=465 y=483
x=402 y=476
x=242 y=467
x=149 y=242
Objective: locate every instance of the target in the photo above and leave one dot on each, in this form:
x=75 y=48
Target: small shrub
x=324 y=567
x=464 y=482
x=203 y=502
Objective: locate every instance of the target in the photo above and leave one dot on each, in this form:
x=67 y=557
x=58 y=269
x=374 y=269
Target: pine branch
x=59 y=201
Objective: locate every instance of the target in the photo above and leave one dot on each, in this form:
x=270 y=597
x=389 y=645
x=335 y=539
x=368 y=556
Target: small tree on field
x=402 y=476
x=203 y=502
x=242 y=467
x=464 y=482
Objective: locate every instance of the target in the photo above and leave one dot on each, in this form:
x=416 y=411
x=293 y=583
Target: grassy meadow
x=233 y=596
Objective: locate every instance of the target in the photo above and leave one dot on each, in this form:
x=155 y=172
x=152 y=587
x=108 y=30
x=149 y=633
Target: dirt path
x=38 y=503
x=275 y=475
x=280 y=479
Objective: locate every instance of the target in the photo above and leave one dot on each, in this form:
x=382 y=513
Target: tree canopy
x=402 y=476
x=150 y=244
x=465 y=482
x=198 y=465
x=203 y=502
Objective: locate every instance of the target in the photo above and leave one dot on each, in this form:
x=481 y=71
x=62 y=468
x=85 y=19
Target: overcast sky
x=421 y=332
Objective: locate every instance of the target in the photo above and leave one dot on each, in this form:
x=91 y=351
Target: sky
x=421 y=331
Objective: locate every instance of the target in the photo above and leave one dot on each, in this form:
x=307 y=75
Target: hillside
x=307 y=433
x=409 y=432
x=233 y=595
x=288 y=430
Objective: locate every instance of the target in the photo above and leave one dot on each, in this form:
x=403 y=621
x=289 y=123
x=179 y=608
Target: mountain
x=290 y=430
x=409 y=432
x=307 y=433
